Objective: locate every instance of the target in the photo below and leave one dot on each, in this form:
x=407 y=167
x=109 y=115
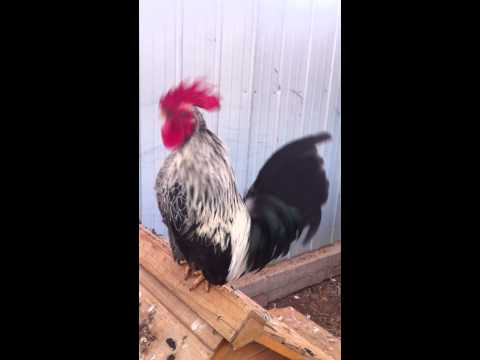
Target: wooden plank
x=252 y=351
x=204 y=332
x=165 y=326
x=281 y=348
x=226 y=351
x=223 y=308
x=308 y=329
x=268 y=355
x=223 y=351
x=251 y=330
x=284 y=340
x=227 y=310
x=288 y=276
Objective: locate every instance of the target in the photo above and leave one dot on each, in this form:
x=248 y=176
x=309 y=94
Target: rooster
x=218 y=234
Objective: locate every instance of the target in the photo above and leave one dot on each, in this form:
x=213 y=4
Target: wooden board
x=308 y=329
x=203 y=331
x=165 y=326
x=252 y=351
x=223 y=308
x=288 y=276
x=268 y=355
x=225 y=313
x=251 y=330
x=292 y=343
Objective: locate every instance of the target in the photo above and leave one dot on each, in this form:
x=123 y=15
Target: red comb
x=198 y=94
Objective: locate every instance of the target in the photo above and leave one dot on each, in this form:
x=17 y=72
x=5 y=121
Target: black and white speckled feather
x=200 y=204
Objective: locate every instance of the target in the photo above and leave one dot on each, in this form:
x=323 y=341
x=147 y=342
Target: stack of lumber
x=220 y=324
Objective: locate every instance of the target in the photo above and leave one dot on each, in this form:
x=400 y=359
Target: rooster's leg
x=188 y=269
x=187 y=273
x=200 y=278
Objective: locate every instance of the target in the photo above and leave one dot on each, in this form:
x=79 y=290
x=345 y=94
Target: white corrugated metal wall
x=277 y=67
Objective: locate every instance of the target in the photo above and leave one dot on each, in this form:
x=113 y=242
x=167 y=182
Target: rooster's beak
x=163 y=116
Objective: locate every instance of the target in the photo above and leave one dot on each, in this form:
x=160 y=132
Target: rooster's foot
x=188 y=269
x=200 y=278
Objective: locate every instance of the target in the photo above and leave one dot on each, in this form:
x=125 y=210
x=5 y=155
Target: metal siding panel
x=199 y=45
x=293 y=80
x=158 y=65
x=237 y=53
x=266 y=84
x=277 y=67
x=323 y=27
x=337 y=233
x=331 y=123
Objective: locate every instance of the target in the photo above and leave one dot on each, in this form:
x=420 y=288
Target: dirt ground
x=321 y=303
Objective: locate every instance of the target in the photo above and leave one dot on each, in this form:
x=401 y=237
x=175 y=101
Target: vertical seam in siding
x=179 y=40
x=251 y=84
x=307 y=73
x=219 y=45
x=332 y=62
x=282 y=51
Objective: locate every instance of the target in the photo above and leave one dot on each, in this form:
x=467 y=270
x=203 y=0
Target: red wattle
x=175 y=132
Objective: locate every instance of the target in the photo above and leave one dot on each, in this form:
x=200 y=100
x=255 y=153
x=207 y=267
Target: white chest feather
x=212 y=201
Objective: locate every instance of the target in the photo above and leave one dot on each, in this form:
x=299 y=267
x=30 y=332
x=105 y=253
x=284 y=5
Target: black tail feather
x=286 y=197
x=274 y=226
